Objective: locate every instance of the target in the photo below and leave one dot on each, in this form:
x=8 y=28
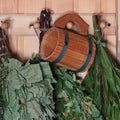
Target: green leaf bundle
x=70 y=101
x=27 y=92
x=103 y=81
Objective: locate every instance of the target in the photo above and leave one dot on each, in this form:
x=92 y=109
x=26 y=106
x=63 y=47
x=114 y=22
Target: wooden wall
x=118 y=32
x=23 y=40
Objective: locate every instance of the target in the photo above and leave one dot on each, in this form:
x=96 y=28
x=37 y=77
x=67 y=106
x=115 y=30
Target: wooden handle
x=82 y=26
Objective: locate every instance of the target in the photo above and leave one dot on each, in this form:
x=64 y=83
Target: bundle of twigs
x=103 y=81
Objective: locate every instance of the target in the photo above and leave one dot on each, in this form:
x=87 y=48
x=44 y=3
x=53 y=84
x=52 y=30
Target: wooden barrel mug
x=66 y=48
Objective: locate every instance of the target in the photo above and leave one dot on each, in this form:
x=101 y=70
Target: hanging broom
x=70 y=101
x=102 y=83
x=26 y=91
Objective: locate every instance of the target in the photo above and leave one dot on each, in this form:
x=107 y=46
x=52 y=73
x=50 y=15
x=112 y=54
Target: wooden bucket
x=68 y=49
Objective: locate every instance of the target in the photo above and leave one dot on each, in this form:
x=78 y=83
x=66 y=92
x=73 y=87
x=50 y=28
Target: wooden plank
x=31 y=6
x=31 y=45
x=118 y=32
x=111 y=45
x=110 y=19
x=8 y=6
x=60 y=6
x=20 y=23
x=22 y=47
x=89 y=21
x=108 y=6
x=27 y=45
x=13 y=45
x=87 y=6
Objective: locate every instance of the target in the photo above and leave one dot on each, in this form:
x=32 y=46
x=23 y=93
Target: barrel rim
x=44 y=38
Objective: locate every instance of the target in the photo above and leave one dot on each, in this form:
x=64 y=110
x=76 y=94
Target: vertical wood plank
x=13 y=45
x=118 y=32
x=87 y=6
x=31 y=6
x=10 y=6
x=60 y=6
x=108 y=6
x=20 y=48
x=89 y=21
x=110 y=19
x=111 y=45
x=31 y=46
x=27 y=45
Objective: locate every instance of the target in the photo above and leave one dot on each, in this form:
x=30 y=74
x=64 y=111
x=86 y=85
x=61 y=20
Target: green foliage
x=3 y=74
x=27 y=92
x=103 y=81
x=71 y=103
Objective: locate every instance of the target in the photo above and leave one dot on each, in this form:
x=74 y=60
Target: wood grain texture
x=118 y=32
x=108 y=6
x=13 y=44
x=110 y=19
x=27 y=45
x=76 y=21
x=111 y=45
x=87 y=6
x=10 y=6
x=89 y=21
x=31 y=6
x=20 y=23
x=60 y=6
x=23 y=12
x=22 y=47
x=75 y=54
